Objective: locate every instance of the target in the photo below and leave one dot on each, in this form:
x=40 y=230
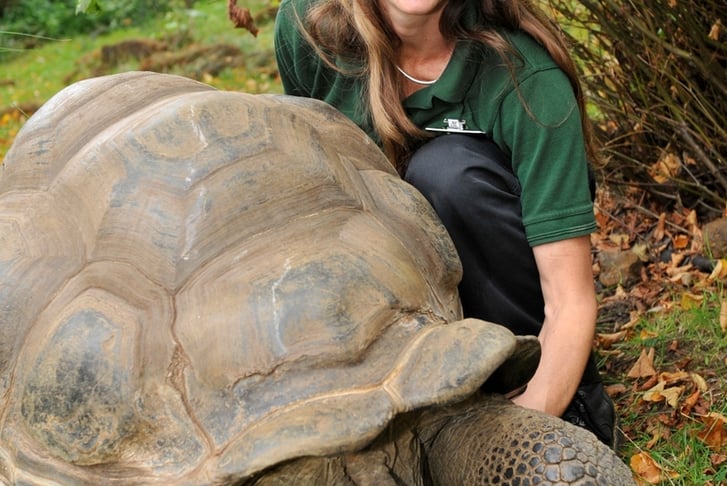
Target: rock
x=715 y=238
x=619 y=267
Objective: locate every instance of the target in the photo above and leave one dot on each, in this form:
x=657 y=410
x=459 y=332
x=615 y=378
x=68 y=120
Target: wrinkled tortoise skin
x=205 y=287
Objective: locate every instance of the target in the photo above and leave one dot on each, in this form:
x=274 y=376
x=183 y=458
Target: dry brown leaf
x=616 y=389
x=714 y=433
x=690 y=402
x=671 y=377
x=659 y=230
x=647 y=469
x=241 y=17
x=658 y=431
x=635 y=318
x=602 y=219
x=660 y=392
x=605 y=341
x=644 y=366
x=691 y=219
x=648 y=384
x=620 y=239
x=723 y=316
x=717 y=459
x=690 y=300
x=715 y=31
x=719 y=271
x=677 y=259
x=699 y=381
x=672 y=394
x=681 y=242
x=641 y=250
x=645 y=334
x=681 y=275
x=667 y=167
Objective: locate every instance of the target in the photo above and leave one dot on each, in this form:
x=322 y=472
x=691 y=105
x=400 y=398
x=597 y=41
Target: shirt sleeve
x=293 y=55
x=546 y=140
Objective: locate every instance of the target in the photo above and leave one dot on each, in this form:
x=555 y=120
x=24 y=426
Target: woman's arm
x=567 y=335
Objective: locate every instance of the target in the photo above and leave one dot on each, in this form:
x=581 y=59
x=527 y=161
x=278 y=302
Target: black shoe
x=593 y=410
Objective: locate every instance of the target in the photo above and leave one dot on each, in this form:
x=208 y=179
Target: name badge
x=453 y=125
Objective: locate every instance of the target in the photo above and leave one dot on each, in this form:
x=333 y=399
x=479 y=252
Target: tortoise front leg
x=367 y=468
x=489 y=440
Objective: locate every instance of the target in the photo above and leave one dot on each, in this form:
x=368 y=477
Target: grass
x=684 y=337
x=33 y=77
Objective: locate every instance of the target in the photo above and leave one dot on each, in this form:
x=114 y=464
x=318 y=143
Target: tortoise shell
x=197 y=284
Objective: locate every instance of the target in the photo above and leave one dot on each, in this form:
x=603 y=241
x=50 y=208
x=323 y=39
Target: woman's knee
x=456 y=171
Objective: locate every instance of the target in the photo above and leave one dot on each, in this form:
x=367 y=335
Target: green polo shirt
x=538 y=124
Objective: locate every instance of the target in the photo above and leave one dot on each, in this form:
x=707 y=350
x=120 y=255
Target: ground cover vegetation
x=654 y=72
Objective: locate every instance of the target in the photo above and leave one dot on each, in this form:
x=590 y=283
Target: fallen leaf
x=616 y=389
x=620 y=239
x=658 y=432
x=671 y=377
x=605 y=341
x=715 y=30
x=660 y=392
x=714 y=433
x=690 y=402
x=681 y=241
x=683 y=363
x=690 y=300
x=699 y=381
x=644 y=366
x=719 y=271
x=667 y=167
x=648 y=384
x=642 y=251
x=717 y=459
x=602 y=219
x=691 y=217
x=672 y=394
x=723 y=316
x=647 y=469
x=646 y=334
x=241 y=17
x=659 y=230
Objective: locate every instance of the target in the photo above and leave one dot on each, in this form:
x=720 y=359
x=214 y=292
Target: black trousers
x=470 y=184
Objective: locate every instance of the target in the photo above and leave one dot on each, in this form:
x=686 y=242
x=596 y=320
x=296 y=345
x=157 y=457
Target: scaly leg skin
x=358 y=469
x=489 y=440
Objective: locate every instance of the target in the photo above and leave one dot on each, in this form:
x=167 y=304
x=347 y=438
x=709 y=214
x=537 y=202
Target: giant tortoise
x=206 y=287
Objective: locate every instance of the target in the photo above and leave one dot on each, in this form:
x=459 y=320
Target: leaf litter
x=677 y=390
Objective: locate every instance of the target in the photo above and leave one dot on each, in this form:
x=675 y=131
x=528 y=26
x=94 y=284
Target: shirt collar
x=453 y=84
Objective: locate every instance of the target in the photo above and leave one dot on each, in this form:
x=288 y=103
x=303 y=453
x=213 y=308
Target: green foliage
x=85 y=5
x=655 y=72
x=30 y=77
x=40 y=19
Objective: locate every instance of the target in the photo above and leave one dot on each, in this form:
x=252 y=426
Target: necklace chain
x=415 y=80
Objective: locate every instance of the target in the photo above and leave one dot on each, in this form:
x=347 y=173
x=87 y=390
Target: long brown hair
x=356 y=31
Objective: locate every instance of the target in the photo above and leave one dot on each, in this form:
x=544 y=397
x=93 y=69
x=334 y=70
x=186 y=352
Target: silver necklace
x=415 y=80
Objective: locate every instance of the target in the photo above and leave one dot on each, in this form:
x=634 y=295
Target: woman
x=477 y=104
